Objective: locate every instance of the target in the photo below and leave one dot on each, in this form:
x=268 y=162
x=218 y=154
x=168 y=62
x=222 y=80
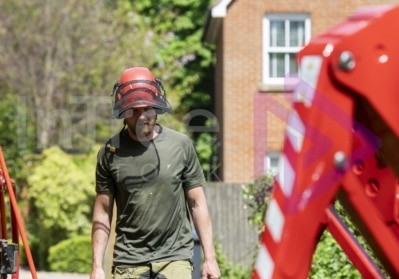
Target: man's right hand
x=97 y=273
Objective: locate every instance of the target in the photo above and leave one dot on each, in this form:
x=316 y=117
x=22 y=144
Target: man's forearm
x=102 y=218
x=100 y=236
x=203 y=226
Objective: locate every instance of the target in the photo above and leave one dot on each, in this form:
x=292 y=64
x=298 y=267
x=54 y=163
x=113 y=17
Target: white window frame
x=271 y=162
x=287 y=17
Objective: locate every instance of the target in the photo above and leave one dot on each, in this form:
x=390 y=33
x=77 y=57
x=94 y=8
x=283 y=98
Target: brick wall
x=241 y=74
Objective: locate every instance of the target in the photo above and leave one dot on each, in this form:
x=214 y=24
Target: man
x=153 y=175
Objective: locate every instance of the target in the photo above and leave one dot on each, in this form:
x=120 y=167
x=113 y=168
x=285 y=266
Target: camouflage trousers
x=159 y=270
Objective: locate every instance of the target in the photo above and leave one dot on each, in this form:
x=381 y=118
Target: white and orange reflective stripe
x=295 y=134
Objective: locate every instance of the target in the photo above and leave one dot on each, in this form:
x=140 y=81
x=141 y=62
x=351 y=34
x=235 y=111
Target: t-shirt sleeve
x=193 y=175
x=105 y=184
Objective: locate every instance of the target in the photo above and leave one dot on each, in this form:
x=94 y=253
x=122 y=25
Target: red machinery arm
x=341 y=143
x=8 y=262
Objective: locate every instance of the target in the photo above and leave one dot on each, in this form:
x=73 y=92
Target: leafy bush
x=71 y=255
x=228 y=269
x=60 y=189
x=256 y=197
x=329 y=261
x=61 y=192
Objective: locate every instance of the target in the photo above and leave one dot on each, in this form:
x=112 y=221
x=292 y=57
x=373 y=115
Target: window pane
x=271 y=162
x=293 y=64
x=285 y=35
x=297 y=33
x=277 y=33
x=277 y=65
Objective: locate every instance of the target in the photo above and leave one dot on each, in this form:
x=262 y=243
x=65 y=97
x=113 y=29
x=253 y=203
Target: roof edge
x=220 y=8
x=213 y=22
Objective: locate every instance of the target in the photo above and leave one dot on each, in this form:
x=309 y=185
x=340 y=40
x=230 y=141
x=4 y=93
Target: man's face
x=141 y=122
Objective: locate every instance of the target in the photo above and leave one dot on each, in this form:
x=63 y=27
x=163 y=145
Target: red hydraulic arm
x=341 y=143
x=9 y=252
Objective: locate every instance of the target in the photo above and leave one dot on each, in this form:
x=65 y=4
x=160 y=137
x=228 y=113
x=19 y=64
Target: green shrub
x=57 y=210
x=329 y=261
x=71 y=255
x=257 y=196
x=229 y=269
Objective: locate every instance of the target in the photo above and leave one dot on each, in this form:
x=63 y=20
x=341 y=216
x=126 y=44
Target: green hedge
x=71 y=255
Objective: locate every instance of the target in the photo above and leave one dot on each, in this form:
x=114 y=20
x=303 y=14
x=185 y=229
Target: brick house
x=256 y=42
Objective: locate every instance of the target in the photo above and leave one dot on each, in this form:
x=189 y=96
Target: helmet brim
x=160 y=109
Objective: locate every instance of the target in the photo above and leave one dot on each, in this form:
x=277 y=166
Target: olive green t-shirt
x=148 y=182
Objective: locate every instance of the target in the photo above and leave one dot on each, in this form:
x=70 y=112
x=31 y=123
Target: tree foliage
x=63 y=58
x=180 y=59
x=185 y=64
x=16 y=137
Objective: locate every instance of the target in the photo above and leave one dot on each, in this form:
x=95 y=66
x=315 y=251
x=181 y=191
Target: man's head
x=141 y=123
x=138 y=88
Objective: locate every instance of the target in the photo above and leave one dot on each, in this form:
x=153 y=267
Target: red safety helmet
x=137 y=87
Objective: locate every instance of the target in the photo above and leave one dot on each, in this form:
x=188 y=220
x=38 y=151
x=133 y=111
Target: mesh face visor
x=137 y=93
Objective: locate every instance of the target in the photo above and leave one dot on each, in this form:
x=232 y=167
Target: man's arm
x=102 y=217
x=199 y=211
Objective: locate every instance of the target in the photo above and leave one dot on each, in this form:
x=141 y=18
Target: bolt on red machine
x=341 y=143
x=9 y=252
